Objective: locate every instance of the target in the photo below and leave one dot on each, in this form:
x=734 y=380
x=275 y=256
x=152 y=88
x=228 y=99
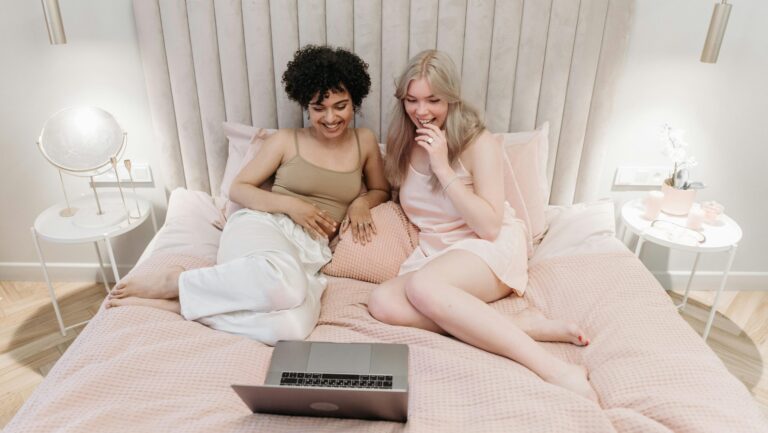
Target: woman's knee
x=379 y=304
x=385 y=305
x=422 y=292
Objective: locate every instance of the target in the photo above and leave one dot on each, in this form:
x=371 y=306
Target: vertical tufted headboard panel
x=523 y=62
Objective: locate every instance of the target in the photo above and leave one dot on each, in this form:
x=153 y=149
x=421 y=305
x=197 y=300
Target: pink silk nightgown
x=443 y=229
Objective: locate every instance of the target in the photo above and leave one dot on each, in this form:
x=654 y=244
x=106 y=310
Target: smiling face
x=423 y=106
x=332 y=116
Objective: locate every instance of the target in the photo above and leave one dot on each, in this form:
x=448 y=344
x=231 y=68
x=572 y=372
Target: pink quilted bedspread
x=136 y=369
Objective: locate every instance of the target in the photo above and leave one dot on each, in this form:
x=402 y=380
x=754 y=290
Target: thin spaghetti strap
x=359 y=152
x=296 y=140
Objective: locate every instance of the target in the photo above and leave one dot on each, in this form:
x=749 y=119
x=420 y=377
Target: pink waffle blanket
x=137 y=369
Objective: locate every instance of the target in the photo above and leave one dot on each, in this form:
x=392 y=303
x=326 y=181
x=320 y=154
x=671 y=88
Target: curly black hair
x=320 y=69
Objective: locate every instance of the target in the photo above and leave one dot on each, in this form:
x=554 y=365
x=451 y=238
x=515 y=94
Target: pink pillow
x=244 y=143
x=526 y=154
x=379 y=260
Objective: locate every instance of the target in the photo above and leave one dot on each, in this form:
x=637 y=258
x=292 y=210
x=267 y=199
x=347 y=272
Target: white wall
x=99 y=66
x=723 y=107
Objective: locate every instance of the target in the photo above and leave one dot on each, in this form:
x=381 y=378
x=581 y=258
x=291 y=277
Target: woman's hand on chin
x=359 y=221
x=433 y=140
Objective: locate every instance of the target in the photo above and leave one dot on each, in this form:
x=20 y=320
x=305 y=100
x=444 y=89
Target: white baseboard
x=32 y=271
x=710 y=280
x=671 y=280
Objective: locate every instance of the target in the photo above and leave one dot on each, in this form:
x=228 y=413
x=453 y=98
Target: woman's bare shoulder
x=281 y=135
x=485 y=145
x=281 y=140
x=368 y=142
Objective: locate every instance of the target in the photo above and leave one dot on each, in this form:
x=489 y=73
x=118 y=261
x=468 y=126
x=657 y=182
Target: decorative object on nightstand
x=721 y=235
x=54 y=227
x=712 y=211
x=679 y=191
x=85 y=142
x=652 y=204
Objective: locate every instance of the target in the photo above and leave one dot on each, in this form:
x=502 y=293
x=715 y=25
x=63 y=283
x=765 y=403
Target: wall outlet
x=141 y=171
x=641 y=176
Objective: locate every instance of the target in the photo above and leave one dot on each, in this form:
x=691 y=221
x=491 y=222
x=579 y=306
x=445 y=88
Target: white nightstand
x=720 y=237
x=53 y=227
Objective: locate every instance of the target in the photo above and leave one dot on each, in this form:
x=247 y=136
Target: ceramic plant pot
x=676 y=201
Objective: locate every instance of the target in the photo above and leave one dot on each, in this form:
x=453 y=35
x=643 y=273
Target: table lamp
x=85 y=142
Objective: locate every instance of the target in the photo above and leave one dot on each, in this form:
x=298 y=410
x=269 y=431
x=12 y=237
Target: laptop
x=340 y=380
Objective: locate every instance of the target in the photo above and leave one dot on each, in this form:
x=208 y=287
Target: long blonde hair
x=462 y=124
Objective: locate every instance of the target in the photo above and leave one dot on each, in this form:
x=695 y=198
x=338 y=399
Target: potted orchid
x=679 y=191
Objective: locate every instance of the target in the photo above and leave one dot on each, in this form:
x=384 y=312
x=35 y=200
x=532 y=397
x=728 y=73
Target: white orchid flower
x=678 y=155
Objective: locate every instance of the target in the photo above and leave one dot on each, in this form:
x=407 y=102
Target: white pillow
x=526 y=155
x=188 y=228
x=583 y=228
x=244 y=142
x=541 y=136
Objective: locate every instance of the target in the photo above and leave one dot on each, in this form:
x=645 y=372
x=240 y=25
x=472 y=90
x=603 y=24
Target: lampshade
x=53 y=22
x=716 y=32
x=82 y=140
x=85 y=141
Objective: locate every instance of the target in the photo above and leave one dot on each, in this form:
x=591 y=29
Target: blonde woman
x=472 y=250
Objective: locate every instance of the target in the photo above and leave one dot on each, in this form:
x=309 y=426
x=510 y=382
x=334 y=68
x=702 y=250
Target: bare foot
x=171 y=305
x=538 y=327
x=163 y=284
x=574 y=378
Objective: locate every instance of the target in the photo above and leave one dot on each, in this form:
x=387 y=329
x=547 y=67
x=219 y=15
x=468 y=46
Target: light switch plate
x=640 y=176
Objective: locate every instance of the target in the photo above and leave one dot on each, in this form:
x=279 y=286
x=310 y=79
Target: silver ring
x=430 y=140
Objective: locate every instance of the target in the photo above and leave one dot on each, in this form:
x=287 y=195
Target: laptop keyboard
x=336 y=380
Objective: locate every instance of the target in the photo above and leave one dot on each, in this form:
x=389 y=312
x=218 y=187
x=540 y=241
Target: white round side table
x=52 y=227
x=670 y=231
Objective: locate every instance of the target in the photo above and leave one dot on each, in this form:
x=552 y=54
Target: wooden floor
x=30 y=342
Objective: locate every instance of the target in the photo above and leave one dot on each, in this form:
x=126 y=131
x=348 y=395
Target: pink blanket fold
x=137 y=369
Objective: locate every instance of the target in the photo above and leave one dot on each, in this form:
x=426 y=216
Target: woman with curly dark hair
x=267 y=283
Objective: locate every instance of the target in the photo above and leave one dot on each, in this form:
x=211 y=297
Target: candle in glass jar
x=695 y=218
x=653 y=204
x=712 y=211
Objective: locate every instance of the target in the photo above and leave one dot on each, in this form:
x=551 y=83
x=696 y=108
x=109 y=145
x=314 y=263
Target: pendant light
x=716 y=32
x=53 y=22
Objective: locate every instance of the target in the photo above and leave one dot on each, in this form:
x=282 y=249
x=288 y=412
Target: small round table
x=51 y=226
x=670 y=231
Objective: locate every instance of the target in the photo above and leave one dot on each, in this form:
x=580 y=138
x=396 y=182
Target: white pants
x=266 y=284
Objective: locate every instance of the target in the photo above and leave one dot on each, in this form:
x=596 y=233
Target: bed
x=141 y=369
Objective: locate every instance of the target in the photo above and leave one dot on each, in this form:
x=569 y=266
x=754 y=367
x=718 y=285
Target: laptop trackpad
x=337 y=358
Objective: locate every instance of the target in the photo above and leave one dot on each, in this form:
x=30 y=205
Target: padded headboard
x=522 y=62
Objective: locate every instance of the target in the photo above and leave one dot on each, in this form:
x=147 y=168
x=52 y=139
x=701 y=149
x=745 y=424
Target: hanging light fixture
x=716 y=32
x=53 y=22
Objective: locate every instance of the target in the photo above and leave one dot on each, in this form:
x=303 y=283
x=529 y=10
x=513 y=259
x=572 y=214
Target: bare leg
x=389 y=304
x=171 y=305
x=537 y=326
x=163 y=284
x=451 y=293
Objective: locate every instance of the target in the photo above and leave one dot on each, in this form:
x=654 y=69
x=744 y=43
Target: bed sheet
x=141 y=369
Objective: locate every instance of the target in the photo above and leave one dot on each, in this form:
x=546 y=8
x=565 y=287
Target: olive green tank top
x=330 y=190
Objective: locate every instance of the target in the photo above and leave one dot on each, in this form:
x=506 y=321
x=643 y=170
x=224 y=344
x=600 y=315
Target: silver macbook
x=341 y=380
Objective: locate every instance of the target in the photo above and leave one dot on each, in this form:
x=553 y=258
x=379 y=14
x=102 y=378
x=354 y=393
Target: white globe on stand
x=85 y=141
